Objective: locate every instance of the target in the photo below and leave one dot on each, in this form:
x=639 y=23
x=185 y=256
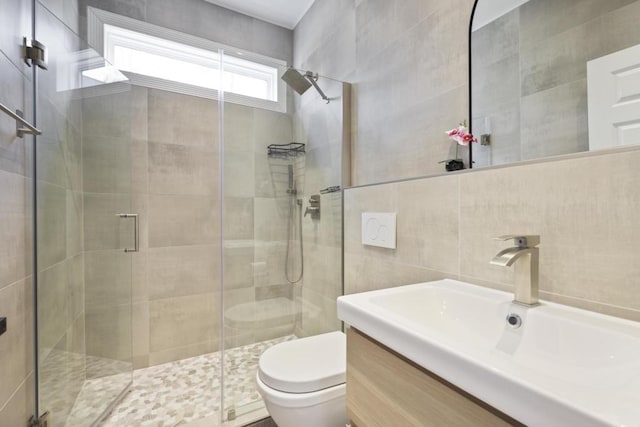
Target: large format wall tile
x=52 y=224
x=21 y=405
x=107 y=275
x=183 y=322
x=106 y=164
x=103 y=228
x=15 y=23
x=586 y=220
x=15 y=93
x=14 y=231
x=555 y=121
x=179 y=169
x=546 y=18
x=16 y=345
x=182 y=220
x=183 y=120
x=183 y=270
x=110 y=333
x=427 y=229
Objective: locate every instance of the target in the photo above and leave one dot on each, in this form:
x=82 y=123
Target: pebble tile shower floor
x=176 y=393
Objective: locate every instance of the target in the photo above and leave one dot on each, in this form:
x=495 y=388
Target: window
x=157 y=57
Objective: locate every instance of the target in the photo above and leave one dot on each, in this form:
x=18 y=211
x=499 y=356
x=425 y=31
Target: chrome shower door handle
x=136 y=232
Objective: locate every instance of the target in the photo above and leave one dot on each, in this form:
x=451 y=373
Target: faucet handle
x=521 y=241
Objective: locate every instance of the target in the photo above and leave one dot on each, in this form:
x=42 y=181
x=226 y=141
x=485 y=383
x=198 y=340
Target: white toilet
x=302 y=382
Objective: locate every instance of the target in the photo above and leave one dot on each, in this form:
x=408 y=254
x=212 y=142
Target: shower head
x=302 y=82
x=296 y=81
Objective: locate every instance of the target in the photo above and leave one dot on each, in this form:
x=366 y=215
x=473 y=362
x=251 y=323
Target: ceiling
x=285 y=13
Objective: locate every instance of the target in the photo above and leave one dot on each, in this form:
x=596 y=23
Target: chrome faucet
x=526 y=269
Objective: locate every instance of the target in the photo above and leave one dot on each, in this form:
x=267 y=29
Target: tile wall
x=258 y=299
x=174 y=175
x=446 y=227
x=410 y=83
x=530 y=75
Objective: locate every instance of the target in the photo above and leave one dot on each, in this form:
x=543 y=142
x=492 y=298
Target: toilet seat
x=306 y=365
x=300 y=400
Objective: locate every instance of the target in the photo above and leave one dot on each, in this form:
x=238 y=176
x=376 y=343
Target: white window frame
x=235 y=59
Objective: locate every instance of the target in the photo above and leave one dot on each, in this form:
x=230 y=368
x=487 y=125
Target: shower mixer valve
x=314 y=207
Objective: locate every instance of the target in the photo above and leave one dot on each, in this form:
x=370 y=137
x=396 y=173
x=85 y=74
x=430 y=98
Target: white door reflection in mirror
x=614 y=99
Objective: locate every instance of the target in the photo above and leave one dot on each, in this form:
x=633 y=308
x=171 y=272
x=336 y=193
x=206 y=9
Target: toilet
x=302 y=382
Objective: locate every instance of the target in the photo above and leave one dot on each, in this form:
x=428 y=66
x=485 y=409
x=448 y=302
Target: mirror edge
x=473 y=12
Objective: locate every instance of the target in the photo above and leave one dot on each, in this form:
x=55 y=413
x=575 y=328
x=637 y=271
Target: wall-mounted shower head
x=302 y=82
x=296 y=81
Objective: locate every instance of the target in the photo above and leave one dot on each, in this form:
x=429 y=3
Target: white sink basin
x=562 y=367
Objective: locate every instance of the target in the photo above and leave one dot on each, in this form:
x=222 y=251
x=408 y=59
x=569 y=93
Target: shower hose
x=292 y=202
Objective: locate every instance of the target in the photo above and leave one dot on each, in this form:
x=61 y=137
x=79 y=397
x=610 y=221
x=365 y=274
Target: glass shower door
x=83 y=188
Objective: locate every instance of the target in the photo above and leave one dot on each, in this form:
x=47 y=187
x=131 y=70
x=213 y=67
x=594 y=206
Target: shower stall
x=180 y=229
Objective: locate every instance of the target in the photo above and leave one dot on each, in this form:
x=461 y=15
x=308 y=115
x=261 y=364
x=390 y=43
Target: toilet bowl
x=302 y=382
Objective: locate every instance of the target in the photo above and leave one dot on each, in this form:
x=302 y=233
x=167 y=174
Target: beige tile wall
x=584 y=209
x=255 y=224
x=174 y=174
x=175 y=181
x=107 y=184
x=176 y=273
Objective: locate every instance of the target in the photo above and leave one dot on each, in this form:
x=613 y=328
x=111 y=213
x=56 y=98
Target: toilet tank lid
x=305 y=365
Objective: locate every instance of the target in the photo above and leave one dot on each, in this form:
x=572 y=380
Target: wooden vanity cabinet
x=384 y=389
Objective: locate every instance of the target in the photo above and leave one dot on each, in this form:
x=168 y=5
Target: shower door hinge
x=36 y=54
x=231 y=414
x=43 y=421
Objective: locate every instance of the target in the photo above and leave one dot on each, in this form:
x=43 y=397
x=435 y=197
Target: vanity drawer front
x=385 y=389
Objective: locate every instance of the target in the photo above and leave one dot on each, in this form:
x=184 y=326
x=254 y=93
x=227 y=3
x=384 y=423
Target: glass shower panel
x=83 y=185
x=16 y=349
x=282 y=269
x=258 y=303
x=324 y=129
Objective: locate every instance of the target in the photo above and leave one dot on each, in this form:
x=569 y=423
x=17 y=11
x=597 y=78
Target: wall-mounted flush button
x=379 y=229
x=3 y=325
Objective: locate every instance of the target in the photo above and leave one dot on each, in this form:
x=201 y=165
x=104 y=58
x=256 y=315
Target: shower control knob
x=314 y=207
x=312 y=210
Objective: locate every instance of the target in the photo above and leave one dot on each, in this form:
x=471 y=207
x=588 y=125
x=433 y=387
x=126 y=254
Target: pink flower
x=461 y=135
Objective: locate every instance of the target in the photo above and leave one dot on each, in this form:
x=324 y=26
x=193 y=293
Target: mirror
x=553 y=77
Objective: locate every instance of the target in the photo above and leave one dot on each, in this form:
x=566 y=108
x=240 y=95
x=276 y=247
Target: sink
x=562 y=366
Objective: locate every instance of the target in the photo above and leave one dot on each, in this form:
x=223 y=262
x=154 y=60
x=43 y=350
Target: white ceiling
x=286 y=13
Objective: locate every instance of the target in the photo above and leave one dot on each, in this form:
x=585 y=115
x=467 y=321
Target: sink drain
x=514 y=320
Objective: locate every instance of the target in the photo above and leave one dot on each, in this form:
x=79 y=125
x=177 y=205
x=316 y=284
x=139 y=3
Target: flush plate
x=379 y=229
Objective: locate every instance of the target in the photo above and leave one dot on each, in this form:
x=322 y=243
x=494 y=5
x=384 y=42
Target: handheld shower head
x=292 y=184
